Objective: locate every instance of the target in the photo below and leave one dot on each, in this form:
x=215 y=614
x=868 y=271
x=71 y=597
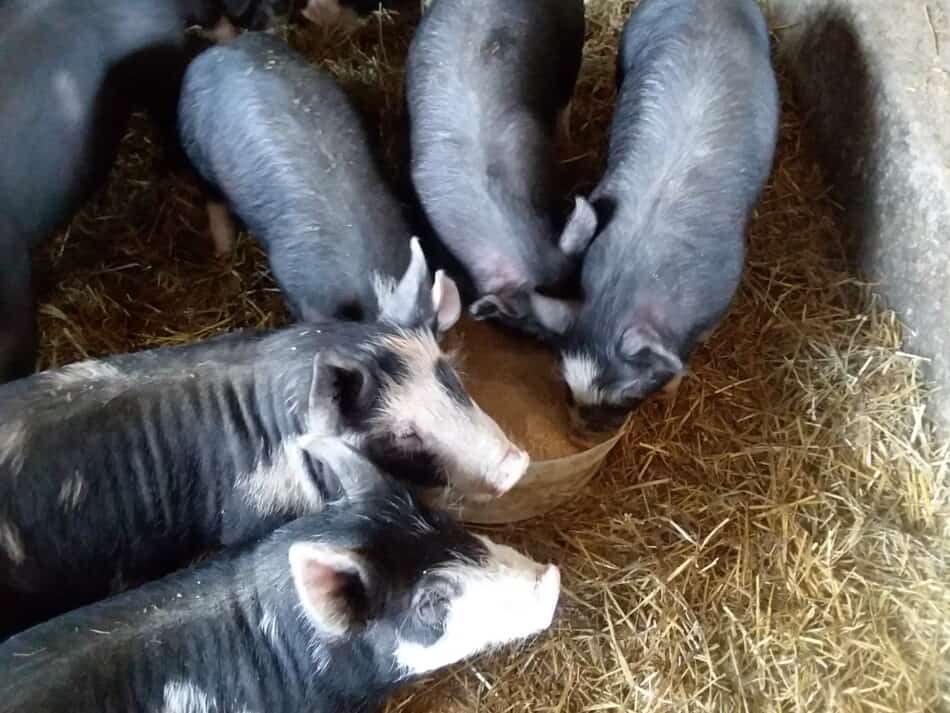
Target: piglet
x=72 y=73
x=277 y=142
x=487 y=84
x=117 y=471
x=329 y=614
x=691 y=148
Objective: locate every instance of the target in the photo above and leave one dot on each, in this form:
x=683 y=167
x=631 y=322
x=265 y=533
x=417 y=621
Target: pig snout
x=592 y=425
x=503 y=477
x=512 y=467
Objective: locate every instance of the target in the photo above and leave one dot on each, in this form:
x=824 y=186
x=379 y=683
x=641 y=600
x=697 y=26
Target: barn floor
x=774 y=539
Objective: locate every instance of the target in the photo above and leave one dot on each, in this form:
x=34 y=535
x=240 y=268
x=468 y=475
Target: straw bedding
x=774 y=539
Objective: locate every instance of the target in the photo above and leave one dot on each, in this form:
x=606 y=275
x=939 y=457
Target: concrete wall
x=874 y=75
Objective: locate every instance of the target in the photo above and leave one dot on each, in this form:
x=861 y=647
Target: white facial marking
x=67 y=93
x=184 y=697
x=508 y=598
x=12 y=440
x=72 y=491
x=581 y=372
x=11 y=543
x=475 y=452
x=222 y=228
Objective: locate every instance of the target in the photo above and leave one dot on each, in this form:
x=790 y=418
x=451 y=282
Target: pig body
x=279 y=140
x=328 y=614
x=73 y=71
x=484 y=90
x=691 y=148
x=119 y=470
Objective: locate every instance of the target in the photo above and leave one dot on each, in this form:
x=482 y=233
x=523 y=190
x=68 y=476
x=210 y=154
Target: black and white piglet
x=72 y=72
x=327 y=615
x=691 y=148
x=116 y=471
x=486 y=83
x=278 y=142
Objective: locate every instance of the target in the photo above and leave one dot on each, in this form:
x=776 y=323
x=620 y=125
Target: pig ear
x=342 y=383
x=554 y=315
x=643 y=345
x=410 y=303
x=579 y=229
x=322 y=409
x=529 y=312
x=446 y=302
x=332 y=587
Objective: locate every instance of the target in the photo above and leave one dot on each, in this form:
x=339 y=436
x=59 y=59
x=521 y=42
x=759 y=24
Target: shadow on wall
x=875 y=88
x=840 y=101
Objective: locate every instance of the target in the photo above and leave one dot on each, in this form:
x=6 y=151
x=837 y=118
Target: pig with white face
x=329 y=614
x=691 y=148
x=487 y=84
x=117 y=471
x=277 y=142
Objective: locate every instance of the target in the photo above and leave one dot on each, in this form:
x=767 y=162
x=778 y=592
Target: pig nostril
x=512 y=467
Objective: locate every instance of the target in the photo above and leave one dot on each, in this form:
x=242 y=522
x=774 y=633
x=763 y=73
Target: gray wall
x=874 y=76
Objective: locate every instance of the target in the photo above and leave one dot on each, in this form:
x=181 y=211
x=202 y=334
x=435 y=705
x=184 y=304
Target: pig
x=343 y=14
x=330 y=613
x=118 y=470
x=72 y=72
x=485 y=95
x=691 y=148
x=277 y=142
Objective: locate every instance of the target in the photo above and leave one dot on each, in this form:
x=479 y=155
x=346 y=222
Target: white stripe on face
x=581 y=372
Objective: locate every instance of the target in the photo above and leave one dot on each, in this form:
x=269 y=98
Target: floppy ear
x=579 y=229
x=446 y=302
x=527 y=311
x=332 y=586
x=643 y=346
x=340 y=382
x=410 y=304
x=555 y=315
x=356 y=474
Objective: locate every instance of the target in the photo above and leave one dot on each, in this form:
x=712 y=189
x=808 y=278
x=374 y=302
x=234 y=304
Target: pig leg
x=18 y=338
x=564 y=125
x=222 y=31
x=329 y=14
x=222 y=227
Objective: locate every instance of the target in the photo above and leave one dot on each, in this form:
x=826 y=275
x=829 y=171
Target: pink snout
x=511 y=469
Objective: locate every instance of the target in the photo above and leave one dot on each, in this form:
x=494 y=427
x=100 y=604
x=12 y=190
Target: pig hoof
x=222 y=229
